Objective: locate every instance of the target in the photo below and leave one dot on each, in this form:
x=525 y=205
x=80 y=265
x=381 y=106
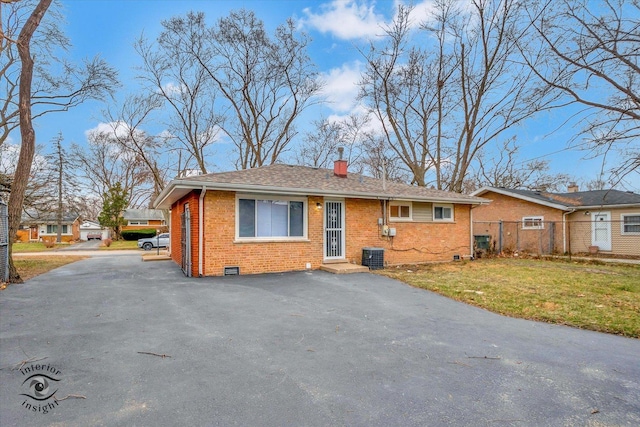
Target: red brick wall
x=175 y=246
x=221 y=249
x=415 y=242
x=512 y=210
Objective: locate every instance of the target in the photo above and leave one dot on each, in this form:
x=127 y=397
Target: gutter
x=201 y=229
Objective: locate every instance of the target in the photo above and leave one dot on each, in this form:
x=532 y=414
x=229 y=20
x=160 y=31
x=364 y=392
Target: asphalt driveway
x=299 y=349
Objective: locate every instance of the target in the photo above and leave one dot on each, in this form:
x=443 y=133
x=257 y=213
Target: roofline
x=506 y=192
x=251 y=188
x=601 y=207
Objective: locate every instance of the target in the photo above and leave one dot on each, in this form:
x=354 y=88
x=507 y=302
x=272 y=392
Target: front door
x=334 y=229
x=33 y=232
x=601 y=230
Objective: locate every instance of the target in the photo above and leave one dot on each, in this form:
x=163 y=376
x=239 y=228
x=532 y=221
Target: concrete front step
x=344 y=268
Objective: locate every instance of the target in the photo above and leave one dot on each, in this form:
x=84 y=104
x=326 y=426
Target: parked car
x=153 y=242
x=94 y=236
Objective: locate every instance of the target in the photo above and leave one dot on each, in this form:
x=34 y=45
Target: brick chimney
x=340 y=166
x=572 y=187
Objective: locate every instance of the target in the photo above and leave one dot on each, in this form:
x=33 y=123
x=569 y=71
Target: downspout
x=201 y=229
x=472 y=254
x=564 y=230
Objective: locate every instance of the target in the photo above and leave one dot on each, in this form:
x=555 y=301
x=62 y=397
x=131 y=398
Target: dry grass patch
x=36 y=265
x=603 y=298
x=120 y=244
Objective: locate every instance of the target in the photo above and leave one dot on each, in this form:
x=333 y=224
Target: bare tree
x=186 y=88
x=263 y=82
x=443 y=98
x=37 y=97
x=28 y=137
x=102 y=163
x=502 y=169
x=51 y=91
x=62 y=181
x=589 y=54
x=321 y=143
x=128 y=135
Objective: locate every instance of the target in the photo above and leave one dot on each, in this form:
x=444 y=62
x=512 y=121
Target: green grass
x=120 y=244
x=32 y=247
x=600 y=297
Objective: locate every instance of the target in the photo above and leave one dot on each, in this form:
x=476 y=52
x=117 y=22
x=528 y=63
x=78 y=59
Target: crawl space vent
x=232 y=271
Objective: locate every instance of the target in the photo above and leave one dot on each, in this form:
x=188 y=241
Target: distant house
x=44 y=226
x=285 y=218
x=90 y=229
x=143 y=218
x=606 y=221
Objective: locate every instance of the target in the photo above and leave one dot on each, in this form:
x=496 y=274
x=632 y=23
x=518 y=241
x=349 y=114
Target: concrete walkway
x=136 y=343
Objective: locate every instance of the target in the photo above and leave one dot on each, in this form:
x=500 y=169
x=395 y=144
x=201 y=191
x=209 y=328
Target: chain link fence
x=592 y=238
x=4 y=243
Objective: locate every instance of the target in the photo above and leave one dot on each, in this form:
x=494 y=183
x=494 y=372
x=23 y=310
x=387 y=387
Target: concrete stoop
x=163 y=256
x=344 y=268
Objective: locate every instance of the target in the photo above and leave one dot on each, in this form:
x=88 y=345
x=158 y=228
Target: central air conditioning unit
x=373 y=258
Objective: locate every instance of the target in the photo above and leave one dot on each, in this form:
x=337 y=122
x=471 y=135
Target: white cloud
x=341 y=86
x=358 y=19
x=119 y=128
x=346 y=19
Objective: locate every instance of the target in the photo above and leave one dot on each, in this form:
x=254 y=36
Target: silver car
x=153 y=242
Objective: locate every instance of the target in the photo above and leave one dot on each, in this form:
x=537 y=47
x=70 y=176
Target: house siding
x=511 y=210
x=622 y=244
x=153 y=223
x=414 y=243
x=223 y=250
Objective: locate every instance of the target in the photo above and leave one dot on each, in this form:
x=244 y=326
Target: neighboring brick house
x=143 y=218
x=284 y=218
x=607 y=221
x=44 y=226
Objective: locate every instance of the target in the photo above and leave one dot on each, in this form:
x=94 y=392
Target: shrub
x=138 y=234
x=49 y=244
x=107 y=242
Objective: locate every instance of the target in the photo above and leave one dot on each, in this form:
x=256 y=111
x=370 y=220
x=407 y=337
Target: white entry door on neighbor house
x=601 y=230
x=334 y=239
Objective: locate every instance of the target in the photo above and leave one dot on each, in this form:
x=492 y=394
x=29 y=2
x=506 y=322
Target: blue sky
x=109 y=28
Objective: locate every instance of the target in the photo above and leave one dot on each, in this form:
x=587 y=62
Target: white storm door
x=601 y=230
x=334 y=239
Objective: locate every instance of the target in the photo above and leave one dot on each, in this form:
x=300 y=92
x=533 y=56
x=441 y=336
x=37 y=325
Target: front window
x=443 y=212
x=630 y=223
x=532 y=222
x=270 y=218
x=53 y=229
x=400 y=211
x=139 y=222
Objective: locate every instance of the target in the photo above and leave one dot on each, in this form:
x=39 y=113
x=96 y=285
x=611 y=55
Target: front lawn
x=120 y=244
x=33 y=247
x=600 y=297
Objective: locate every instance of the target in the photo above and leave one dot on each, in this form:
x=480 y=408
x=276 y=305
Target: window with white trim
x=400 y=211
x=442 y=212
x=532 y=222
x=267 y=218
x=53 y=229
x=138 y=222
x=630 y=223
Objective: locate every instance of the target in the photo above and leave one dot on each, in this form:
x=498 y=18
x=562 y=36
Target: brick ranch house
x=607 y=221
x=285 y=218
x=137 y=219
